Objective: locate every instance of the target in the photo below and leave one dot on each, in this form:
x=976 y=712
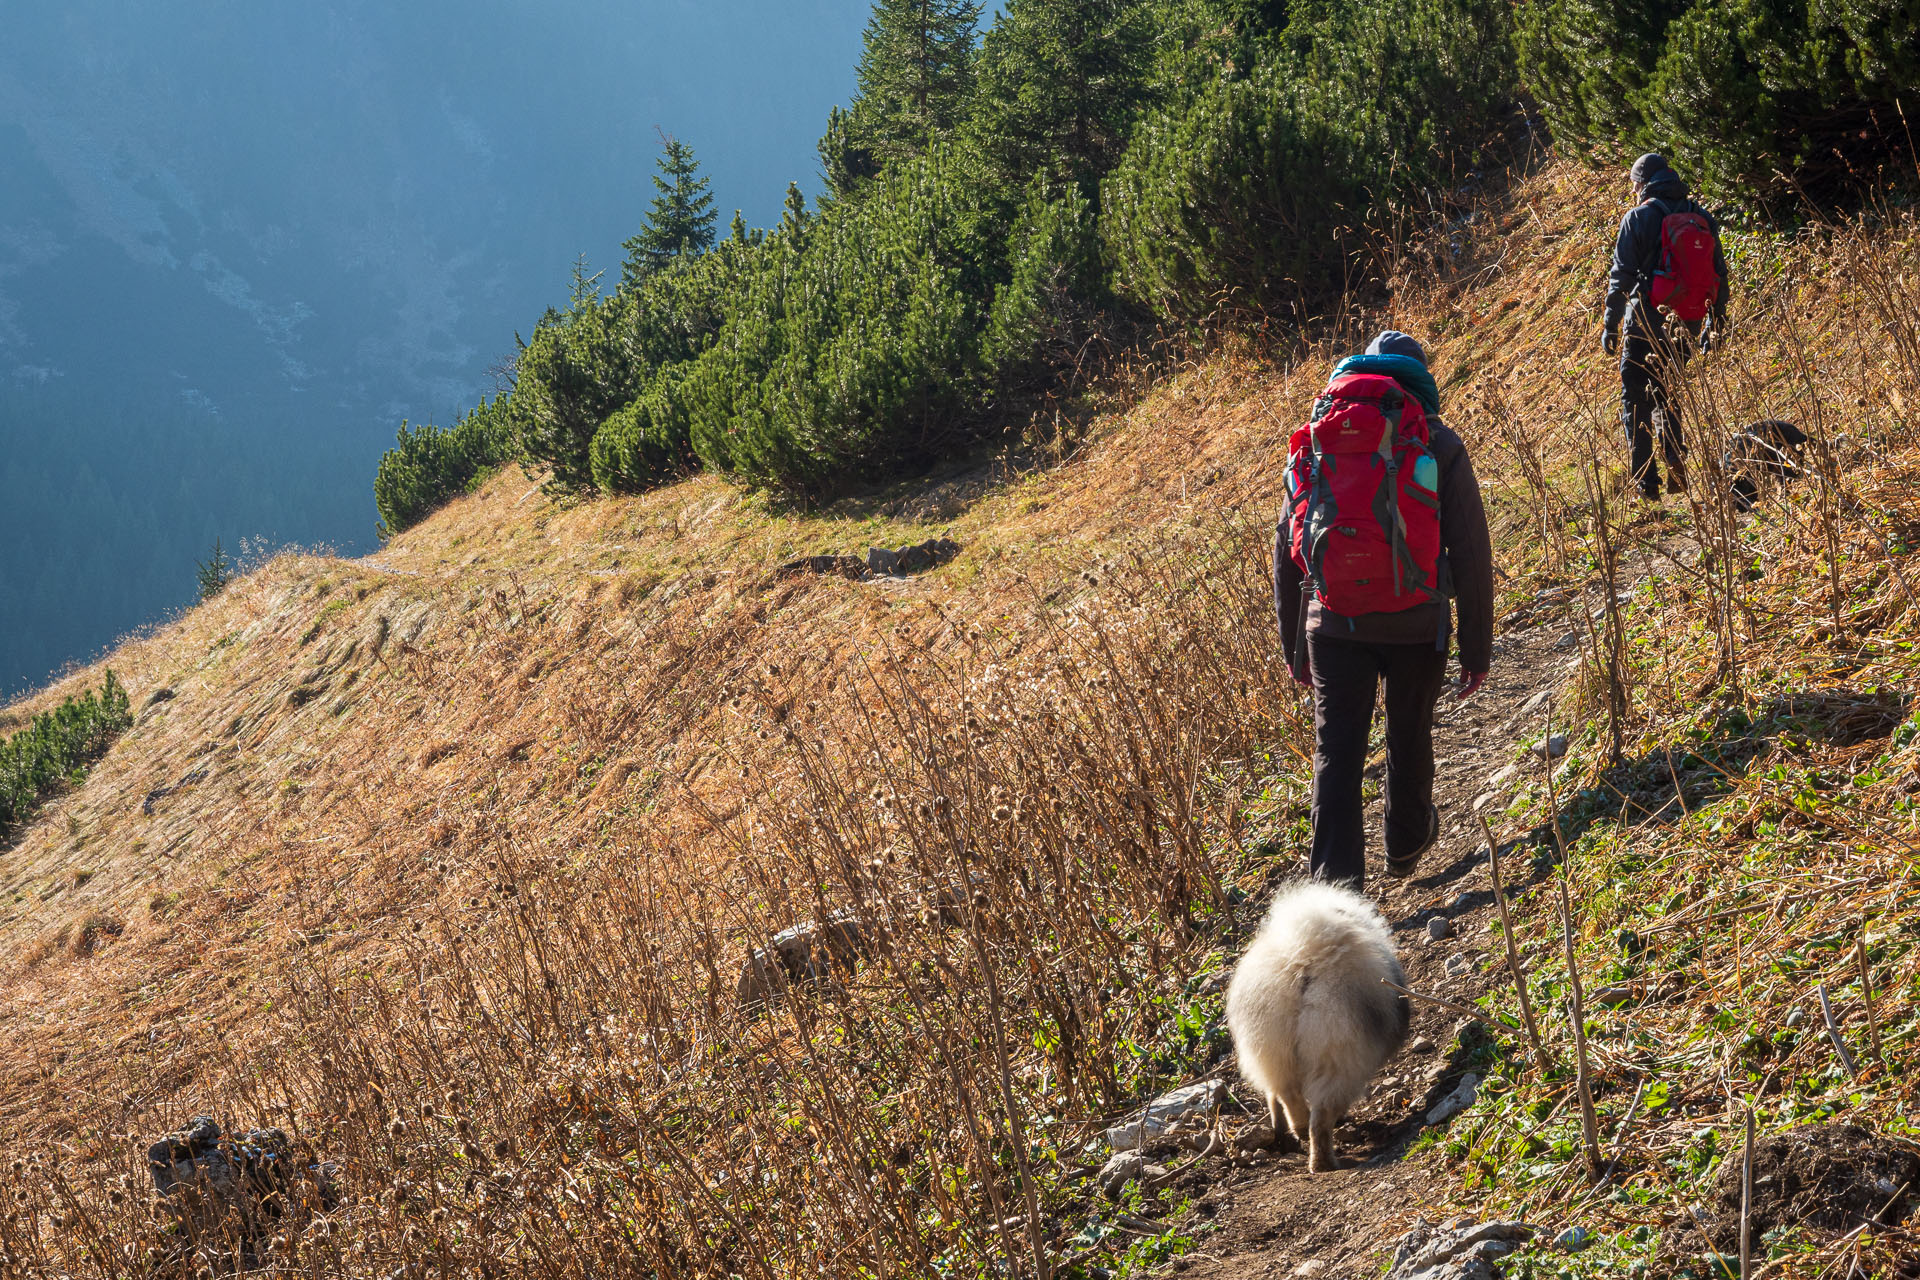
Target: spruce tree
x=1060 y=84
x=216 y=571
x=916 y=72
x=680 y=219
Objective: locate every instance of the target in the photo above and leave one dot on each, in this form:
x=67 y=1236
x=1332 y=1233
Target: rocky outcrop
x=880 y=562
x=1460 y=1250
x=1165 y=1112
x=918 y=558
x=226 y=1197
x=833 y=566
x=799 y=956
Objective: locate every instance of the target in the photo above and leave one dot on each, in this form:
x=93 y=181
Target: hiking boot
x=1676 y=478
x=1402 y=866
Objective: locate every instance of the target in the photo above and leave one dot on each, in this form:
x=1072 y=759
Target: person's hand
x=1302 y=678
x=1706 y=340
x=1469 y=683
x=1609 y=345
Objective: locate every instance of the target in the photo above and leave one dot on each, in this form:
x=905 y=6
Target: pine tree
x=916 y=74
x=793 y=214
x=680 y=219
x=847 y=159
x=215 y=572
x=1060 y=84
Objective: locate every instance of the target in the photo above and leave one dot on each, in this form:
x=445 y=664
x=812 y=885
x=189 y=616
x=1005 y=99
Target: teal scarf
x=1405 y=370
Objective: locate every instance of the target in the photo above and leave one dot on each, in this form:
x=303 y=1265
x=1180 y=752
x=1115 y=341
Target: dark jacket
x=1466 y=554
x=1636 y=254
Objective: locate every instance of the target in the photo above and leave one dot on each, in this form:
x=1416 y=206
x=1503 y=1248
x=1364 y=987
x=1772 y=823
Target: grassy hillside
x=449 y=859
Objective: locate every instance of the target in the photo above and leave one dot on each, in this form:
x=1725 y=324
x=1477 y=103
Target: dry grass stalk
x=1866 y=999
x=1833 y=1032
x=1452 y=1006
x=1746 y=1201
x=1577 y=1004
x=1514 y=967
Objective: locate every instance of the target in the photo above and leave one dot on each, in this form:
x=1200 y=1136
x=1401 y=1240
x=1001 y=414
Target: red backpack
x=1363 y=499
x=1687 y=282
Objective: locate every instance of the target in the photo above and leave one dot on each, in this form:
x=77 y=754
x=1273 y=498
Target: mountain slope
x=489 y=822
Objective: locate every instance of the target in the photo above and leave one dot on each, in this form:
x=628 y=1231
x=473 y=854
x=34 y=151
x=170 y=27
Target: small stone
x=1484 y=799
x=1461 y=901
x=1115 y=1174
x=1312 y=1267
x=1613 y=997
x=1439 y=928
x=1796 y=1017
x=1421 y=1044
x=1536 y=702
x=1550 y=748
x=1166 y=1111
x=1505 y=776
x=1458 y=965
x=1454 y=1103
x=1573 y=1240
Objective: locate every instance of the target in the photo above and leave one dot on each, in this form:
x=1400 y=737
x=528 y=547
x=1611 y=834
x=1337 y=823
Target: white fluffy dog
x=1310 y=1018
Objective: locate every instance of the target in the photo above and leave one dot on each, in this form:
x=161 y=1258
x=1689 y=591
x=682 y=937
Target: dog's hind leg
x=1291 y=1136
x=1320 y=1157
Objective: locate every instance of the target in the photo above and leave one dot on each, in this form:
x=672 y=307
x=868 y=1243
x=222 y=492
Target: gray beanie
x=1395 y=343
x=1648 y=167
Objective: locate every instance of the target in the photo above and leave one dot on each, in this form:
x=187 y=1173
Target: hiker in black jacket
x=1347 y=659
x=1657 y=343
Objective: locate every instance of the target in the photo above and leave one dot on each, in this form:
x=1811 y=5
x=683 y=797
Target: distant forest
x=1106 y=168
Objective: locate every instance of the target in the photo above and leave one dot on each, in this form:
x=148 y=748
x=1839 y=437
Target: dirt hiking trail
x=1274 y=1218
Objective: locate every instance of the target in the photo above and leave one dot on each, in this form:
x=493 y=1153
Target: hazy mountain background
x=239 y=242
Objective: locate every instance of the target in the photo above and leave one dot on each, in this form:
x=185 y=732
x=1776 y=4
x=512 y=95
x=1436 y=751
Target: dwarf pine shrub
x=646 y=442
x=1751 y=98
x=1253 y=192
x=430 y=464
x=856 y=343
x=55 y=749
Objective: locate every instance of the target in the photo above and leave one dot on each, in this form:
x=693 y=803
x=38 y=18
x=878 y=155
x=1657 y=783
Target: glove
x=1470 y=682
x=1303 y=678
x=1610 y=342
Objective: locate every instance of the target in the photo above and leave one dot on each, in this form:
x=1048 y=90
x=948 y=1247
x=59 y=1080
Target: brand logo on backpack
x=1687 y=282
x=1363 y=499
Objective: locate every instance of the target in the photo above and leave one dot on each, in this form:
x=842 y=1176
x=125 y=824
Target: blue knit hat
x=1395 y=343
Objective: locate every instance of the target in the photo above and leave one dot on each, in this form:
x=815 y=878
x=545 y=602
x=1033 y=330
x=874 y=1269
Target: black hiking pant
x=1344 y=675
x=1650 y=362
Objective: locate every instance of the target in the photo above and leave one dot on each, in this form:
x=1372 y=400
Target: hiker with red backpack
x=1669 y=279
x=1384 y=524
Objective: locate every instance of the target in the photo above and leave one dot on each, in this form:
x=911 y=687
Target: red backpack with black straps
x=1687 y=282
x=1363 y=499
